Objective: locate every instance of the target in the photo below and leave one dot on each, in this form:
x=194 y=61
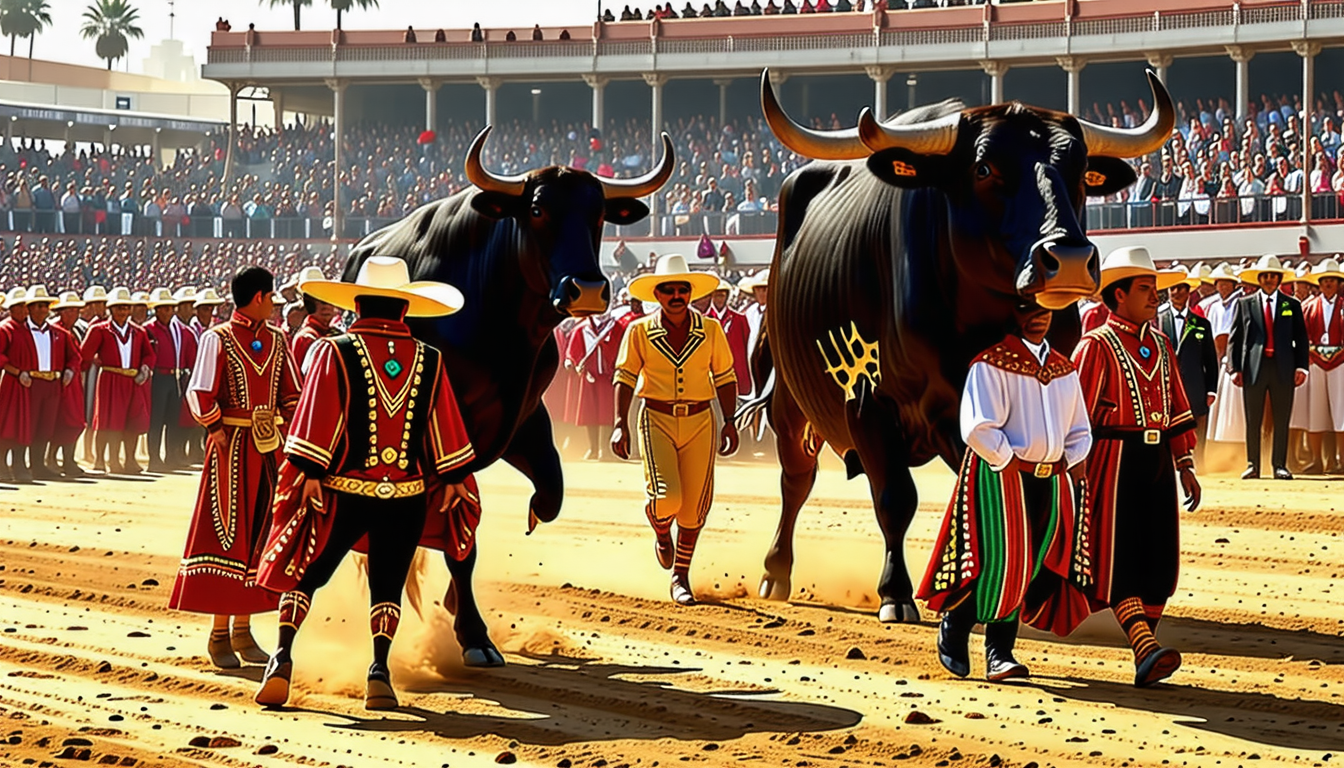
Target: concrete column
x=599 y=85
x=880 y=76
x=234 y=88
x=9 y=132
x=996 y=71
x=156 y=149
x=656 y=82
x=723 y=84
x=1308 y=51
x=278 y=106
x=338 y=112
x=1160 y=62
x=491 y=86
x=1074 y=66
x=431 y=87
x=1242 y=56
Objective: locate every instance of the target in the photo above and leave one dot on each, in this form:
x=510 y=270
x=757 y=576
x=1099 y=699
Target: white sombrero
x=119 y=297
x=1223 y=271
x=185 y=295
x=69 y=300
x=307 y=274
x=759 y=280
x=388 y=277
x=724 y=285
x=161 y=297
x=16 y=295
x=1327 y=268
x=94 y=294
x=38 y=295
x=1266 y=264
x=207 y=298
x=672 y=268
x=1135 y=261
x=140 y=298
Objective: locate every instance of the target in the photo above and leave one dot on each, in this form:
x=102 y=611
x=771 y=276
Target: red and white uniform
x=244 y=384
x=738 y=330
x=1325 y=378
x=303 y=339
x=591 y=355
x=120 y=405
x=29 y=415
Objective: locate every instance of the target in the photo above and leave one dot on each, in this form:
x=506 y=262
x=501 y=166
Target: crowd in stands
x=1217 y=169
x=720 y=8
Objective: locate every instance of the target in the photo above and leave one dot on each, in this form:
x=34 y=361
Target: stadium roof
x=44 y=121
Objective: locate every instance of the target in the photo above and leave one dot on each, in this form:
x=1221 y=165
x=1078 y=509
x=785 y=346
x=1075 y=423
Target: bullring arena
x=602 y=670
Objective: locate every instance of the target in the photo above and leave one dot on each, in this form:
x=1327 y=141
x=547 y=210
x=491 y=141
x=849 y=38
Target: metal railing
x=1220 y=211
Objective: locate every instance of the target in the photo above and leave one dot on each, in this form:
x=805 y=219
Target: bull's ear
x=625 y=210
x=1107 y=175
x=903 y=168
x=495 y=205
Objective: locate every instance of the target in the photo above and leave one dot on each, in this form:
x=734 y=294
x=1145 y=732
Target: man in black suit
x=1268 y=353
x=1196 y=355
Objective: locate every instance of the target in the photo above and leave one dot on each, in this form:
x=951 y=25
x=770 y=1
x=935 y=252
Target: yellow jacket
x=648 y=363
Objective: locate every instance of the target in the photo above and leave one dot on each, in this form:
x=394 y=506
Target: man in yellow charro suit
x=679 y=362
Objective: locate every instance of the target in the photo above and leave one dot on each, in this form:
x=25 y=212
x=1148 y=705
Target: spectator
x=409 y=37
x=536 y=32
x=510 y=37
x=477 y=36
x=440 y=36
x=564 y=34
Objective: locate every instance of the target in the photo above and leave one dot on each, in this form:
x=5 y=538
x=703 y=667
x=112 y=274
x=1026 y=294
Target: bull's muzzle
x=577 y=297
x=1059 y=274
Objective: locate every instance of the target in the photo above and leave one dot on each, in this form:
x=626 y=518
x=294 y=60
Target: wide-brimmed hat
x=1135 y=261
x=1224 y=271
x=38 y=295
x=1301 y=275
x=184 y=295
x=1327 y=268
x=16 y=295
x=95 y=293
x=304 y=275
x=672 y=268
x=752 y=282
x=1203 y=271
x=388 y=277
x=207 y=297
x=140 y=297
x=724 y=285
x=119 y=297
x=69 y=300
x=1190 y=278
x=161 y=297
x=1266 y=264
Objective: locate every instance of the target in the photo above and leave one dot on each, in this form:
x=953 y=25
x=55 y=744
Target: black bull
x=524 y=251
x=891 y=275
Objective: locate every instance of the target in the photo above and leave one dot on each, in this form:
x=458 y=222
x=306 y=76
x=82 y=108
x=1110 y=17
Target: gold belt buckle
x=385 y=491
x=1044 y=470
x=1152 y=436
x=681 y=409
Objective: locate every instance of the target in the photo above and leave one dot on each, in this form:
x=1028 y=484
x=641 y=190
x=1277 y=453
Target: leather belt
x=676 y=409
x=1150 y=436
x=244 y=421
x=1043 y=471
x=127 y=372
x=375 y=489
x=45 y=375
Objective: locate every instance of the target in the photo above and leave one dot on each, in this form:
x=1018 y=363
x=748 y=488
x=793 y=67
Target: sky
x=195 y=20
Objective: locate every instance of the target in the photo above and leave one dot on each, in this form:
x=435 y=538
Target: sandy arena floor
x=604 y=671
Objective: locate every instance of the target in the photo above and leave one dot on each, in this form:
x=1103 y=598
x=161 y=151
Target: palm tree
x=23 y=18
x=297 y=5
x=111 y=23
x=342 y=6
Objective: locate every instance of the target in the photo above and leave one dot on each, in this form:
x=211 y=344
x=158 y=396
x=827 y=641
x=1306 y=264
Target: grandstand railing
x=1101 y=216
x=881 y=28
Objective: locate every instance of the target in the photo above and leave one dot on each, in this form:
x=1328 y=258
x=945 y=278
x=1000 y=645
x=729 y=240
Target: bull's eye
x=536 y=211
x=983 y=171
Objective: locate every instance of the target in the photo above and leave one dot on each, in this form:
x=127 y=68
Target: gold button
x=389 y=455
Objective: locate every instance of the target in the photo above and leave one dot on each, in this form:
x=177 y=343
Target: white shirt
x=42 y=340
x=123 y=347
x=1178 y=323
x=1328 y=309
x=203 y=374
x=1220 y=313
x=1008 y=414
x=755 y=319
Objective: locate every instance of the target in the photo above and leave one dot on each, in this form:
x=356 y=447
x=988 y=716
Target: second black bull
x=900 y=256
x=524 y=251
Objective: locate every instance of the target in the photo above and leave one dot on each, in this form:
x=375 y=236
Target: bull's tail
x=419 y=569
x=754 y=414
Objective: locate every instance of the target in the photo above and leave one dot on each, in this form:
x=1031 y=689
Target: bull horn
x=843 y=144
x=648 y=183
x=930 y=137
x=478 y=175
x=1134 y=142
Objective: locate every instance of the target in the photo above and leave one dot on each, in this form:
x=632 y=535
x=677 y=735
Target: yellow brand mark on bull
x=855 y=359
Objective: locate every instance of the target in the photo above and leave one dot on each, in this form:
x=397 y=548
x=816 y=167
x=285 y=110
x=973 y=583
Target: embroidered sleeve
x=319 y=417
x=287 y=399
x=1090 y=361
x=448 y=441
x=1078 y=441
x=984 y=411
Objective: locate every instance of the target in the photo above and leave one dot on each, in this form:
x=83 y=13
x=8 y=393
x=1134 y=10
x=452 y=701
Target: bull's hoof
x=482 y=657
x=898 y=613
x=775 y=589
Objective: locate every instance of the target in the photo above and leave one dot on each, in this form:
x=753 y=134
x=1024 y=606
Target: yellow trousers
x=678 y=456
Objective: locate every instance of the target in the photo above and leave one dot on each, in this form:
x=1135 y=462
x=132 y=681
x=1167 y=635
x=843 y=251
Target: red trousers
x=44 y=403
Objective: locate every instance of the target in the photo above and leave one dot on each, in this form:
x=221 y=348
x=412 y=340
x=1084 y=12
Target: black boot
x=954 y=637
x=378 y=692
x=999 y=662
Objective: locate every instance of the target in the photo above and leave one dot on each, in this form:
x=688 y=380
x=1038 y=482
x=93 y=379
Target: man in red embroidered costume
x=174 y=355
x=125 y=358
x=39 y=361
x=206 y=304
x=1324 y=316
x=243 y=387
x=317 y=325
x=377 y=424
x=738 y=331
x=11 y=453
x=71 y=421
x=94 y=311
x=1012 y=514
x=1126 y=548
x=591 y=355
